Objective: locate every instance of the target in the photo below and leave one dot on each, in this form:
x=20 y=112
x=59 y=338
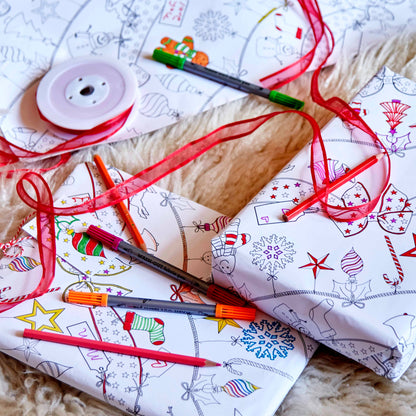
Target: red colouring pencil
x=124 y=212
x=120 y=349
x=333 y=186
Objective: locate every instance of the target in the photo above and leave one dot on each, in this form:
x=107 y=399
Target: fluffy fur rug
x=225 y=179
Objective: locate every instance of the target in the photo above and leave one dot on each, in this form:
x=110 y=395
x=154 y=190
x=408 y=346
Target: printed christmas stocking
x=154 y=326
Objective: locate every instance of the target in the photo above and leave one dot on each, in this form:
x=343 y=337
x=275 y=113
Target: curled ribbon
x=325 y=41
x=10 y=153
x=45 y=235
x=43 y=201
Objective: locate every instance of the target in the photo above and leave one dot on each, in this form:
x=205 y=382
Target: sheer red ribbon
x=324 y=42
x=42 y=202
x=10 y=153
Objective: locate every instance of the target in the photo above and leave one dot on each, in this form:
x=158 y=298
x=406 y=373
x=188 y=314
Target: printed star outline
x=36 y=308
x=412 y=251
x=223 y=322
x=316 y=264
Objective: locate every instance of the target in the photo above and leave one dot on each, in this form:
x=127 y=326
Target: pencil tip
x=209 y=363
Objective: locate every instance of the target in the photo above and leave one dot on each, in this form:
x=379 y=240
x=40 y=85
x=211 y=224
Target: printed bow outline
x=395 y=144
x=393 y=220
x=197 y=391
x=354 y=294
x=175 y=201
x=384 y=77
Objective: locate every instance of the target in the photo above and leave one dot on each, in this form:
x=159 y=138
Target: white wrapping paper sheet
x=248 y=40
x=348 y=285
x=260 y=360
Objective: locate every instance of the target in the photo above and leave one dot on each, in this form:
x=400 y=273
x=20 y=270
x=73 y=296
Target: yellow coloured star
x=223 y=322
x=40 y=319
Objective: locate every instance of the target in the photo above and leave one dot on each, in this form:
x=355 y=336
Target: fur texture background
x=225 y=179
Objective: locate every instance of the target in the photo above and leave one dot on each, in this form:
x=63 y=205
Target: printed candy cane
x=14 y=242
x=397 y=281
x=27 y=296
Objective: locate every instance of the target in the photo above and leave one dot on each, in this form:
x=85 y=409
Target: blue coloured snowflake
x=271 y=254
x=268 y=339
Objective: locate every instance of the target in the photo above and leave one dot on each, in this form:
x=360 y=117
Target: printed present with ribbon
x=345 y=281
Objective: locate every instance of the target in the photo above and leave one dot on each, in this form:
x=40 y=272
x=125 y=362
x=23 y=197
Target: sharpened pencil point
x=209 y=363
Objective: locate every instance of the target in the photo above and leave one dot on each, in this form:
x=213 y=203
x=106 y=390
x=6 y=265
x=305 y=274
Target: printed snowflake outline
x=272 y=254
x=268 y=339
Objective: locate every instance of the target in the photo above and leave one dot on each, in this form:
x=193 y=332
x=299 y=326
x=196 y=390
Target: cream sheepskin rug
x=225 y=179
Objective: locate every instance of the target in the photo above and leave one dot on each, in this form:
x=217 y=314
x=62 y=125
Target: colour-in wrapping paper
x=348 y=285
x=260 y=360
x=248 y=40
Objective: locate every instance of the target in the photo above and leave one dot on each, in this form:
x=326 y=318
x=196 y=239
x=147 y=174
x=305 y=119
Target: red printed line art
x=394 y=281
x=412 y=251
x=216 y=226
x=225 y=246
x=285 y=43
x=394 y=215
x=354 y=292
x=316 y=265
x=173 y=12
x=22 y=297
x=394 y=141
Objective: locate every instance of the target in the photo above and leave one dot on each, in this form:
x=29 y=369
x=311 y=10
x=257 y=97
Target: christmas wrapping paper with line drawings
x=260 y=360
x=348 y=285
x=245 y=39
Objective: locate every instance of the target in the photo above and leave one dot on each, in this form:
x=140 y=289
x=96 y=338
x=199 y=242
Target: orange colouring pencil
x=117 y=348
x=124 y=212
x=333 y=186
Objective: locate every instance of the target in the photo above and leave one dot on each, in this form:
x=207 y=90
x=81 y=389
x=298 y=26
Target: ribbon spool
x=85 y=101
x=85 y=92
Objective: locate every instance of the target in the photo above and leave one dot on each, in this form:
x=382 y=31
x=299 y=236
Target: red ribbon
x=325 y=41
x=46 y=238
x=43 y=201
x=10 y=153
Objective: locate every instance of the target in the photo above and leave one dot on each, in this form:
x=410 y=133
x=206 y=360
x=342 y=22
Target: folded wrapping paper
x=260 y=360
x=235 y=38
x=348 y=285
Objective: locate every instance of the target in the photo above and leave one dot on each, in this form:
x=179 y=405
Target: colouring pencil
x=200 y=70
x=212 y=290
x=117 y=348
x=292 y=213
x=124 y=212
x=104 y=299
